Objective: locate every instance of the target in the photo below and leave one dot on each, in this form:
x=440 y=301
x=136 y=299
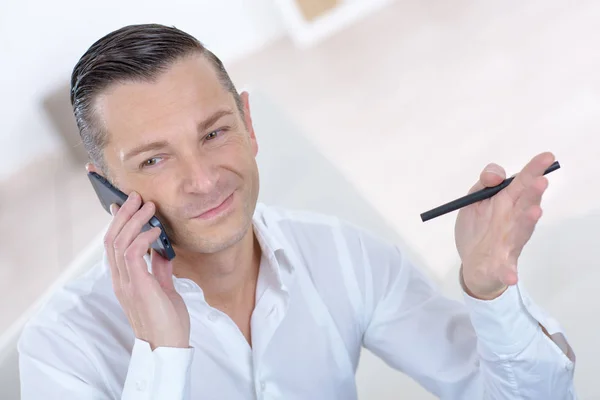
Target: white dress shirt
x=325 y=289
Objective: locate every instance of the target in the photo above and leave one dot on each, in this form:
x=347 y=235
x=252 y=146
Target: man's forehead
x=192 y=76
x=189 y=87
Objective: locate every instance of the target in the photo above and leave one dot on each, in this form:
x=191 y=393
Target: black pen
x=475 y=197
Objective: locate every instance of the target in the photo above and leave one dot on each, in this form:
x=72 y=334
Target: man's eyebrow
x=217 y=115
x=202 y=126
x=144 y=148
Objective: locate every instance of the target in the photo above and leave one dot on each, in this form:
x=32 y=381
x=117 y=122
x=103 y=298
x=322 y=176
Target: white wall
x=40 y=43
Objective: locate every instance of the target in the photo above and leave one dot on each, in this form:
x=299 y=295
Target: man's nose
x=199 y=176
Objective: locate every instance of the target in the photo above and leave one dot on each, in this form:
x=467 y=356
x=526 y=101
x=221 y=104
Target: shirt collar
x=274 y=247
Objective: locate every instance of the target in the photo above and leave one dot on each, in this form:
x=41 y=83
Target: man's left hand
x=491 y=234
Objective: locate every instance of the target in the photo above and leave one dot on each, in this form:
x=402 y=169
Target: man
x=263 y=302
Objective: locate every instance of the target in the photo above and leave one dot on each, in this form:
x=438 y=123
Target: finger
x=532 y=196
x=120 y=217
x=134 y=255
x=509 y=276
x=523 y=230
x=134 y=226
x=525 y=226
x=110 y=254
x=492 y=175
x=162 y=269
x=114 y=208
x=127 y=210
x=534 y=169
x=128 y=234
x=508 y=273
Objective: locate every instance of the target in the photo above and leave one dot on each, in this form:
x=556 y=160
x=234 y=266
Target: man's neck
x=228 y=277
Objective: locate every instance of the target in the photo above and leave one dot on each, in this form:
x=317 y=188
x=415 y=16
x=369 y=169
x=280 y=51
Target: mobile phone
x=108 y=194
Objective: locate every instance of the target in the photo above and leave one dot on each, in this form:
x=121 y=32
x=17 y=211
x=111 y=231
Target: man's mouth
x=217 y=210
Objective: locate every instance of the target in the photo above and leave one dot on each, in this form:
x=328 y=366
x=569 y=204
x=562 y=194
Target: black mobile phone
x=108 y=194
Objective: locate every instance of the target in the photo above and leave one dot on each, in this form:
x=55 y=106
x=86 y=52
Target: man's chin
x=200 y=238
x=211 y=235
x=212 y=245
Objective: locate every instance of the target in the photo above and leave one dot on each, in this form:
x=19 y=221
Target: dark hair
x=132 y=53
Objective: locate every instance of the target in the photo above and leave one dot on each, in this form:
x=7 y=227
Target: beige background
x=312 y=9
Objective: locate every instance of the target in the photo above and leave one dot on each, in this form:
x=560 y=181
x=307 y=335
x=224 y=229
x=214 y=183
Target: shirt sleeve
x=160 y=374
x=54 y=365
x=477 y=350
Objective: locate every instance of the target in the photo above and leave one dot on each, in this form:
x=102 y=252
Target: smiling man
x=262 y=302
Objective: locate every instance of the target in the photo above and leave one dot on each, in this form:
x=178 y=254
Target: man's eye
x=213 y=134
x=150 y=162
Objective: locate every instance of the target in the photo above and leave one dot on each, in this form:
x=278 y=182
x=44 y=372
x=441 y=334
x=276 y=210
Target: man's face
x=182 y=143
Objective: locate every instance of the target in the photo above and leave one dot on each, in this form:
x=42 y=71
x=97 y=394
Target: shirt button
x=140 y=386
x=263 y=386
x=569 y=366
x=183 y=285
x=213 y=316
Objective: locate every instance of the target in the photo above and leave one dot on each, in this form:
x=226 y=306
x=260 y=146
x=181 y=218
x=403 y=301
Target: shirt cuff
x=160 y=374
x=503 y=325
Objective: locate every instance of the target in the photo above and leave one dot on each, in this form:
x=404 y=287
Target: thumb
x=492 y=175
x=162 y=269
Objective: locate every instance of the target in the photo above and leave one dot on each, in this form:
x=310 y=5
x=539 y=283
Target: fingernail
x=494 y=171
x=133 y=195
x=113 y=209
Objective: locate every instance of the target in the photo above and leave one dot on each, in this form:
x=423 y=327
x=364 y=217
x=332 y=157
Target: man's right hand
x=155 y=310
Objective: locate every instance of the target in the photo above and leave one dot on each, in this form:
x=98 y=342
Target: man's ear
x=91 y=167
x=245 y=96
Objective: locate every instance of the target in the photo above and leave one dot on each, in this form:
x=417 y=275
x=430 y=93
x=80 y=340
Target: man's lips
x=215 y=210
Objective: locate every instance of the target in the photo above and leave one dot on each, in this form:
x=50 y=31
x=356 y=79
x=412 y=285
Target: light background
x=402 y=108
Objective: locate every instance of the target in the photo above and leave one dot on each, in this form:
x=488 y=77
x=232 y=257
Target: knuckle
x=144 y=214
x=108 y=240
x=131 y=254
x=119 y=245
